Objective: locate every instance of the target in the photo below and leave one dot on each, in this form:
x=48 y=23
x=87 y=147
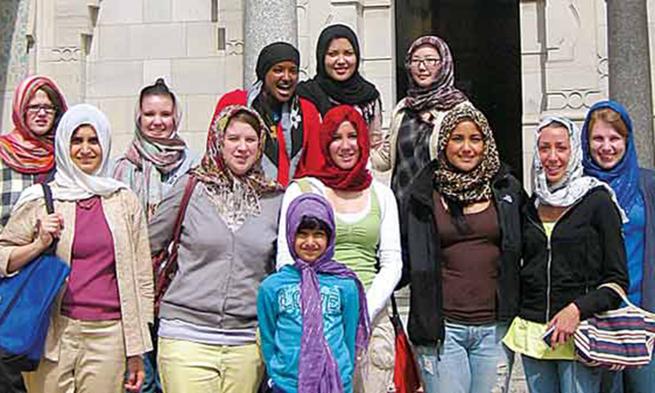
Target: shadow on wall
x=9 y=10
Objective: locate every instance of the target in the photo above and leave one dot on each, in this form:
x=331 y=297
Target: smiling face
x=240 y=147
x=157 y=119
x=424 y=65
x=465 y=147
x=85 y=149
x=343 y=148
x=40 y=113
x=554 y=146
x=606 y=145
x=340 y=60
x=281 y=80
x=310 y=244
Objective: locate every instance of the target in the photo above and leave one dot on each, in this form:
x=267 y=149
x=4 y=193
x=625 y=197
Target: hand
x=135 y=374
x=565 y=322
x=49 y=228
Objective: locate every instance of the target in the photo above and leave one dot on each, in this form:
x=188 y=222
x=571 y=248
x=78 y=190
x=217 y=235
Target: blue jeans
x=560 y=376
x=632 y=380
x=472 y=359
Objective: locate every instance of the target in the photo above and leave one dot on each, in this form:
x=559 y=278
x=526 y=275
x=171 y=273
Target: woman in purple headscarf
x=312 y=315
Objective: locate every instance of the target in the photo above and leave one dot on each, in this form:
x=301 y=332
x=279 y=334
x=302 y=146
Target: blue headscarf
x=624 y=177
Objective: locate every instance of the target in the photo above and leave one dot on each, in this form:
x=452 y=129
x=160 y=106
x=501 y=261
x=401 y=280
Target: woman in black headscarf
x=338 y=80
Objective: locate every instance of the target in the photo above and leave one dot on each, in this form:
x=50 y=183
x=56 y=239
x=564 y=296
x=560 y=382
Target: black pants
x=11 y=381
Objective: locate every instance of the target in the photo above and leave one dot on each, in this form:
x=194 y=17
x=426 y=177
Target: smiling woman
x=86 y=151
x=208 y=314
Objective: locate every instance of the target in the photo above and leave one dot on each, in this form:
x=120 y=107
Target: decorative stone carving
x=572 y=99
x=66 y=54
x=563 y=35
x=234 y=47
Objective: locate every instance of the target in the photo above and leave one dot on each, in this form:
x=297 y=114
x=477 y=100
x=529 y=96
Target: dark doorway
x=484 y=37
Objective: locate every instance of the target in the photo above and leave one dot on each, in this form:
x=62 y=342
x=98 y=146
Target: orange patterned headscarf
x=21 y=149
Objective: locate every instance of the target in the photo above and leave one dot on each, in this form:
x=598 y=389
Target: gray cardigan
x=219 y=272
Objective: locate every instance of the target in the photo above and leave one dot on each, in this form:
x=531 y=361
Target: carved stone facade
x=103 y=52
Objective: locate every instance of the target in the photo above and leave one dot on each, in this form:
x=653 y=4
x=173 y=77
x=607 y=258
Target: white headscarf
x=71 y=183
x=573 y=185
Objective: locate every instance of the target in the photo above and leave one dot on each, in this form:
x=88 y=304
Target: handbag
x=25 y=302
x=406 y=376
x=165 y=263
x=616 y=339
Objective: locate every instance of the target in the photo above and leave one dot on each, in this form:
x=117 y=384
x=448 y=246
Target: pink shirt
x=92 y=288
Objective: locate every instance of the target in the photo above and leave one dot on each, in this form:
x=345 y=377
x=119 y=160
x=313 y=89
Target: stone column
x=267 y=21
x=629 y=70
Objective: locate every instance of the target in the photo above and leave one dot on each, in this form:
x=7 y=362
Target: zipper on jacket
x=550 y=253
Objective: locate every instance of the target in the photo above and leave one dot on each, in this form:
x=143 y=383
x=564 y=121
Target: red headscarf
x=21 y=149
x=356 y=179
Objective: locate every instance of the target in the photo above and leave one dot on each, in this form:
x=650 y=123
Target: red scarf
x=357 y=178
x=20 y=149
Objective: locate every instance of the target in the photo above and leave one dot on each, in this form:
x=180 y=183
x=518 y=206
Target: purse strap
x=50 y=208
x=619 y=291
x=184 y=203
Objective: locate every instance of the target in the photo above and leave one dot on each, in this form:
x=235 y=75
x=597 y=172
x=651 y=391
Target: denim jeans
x=632 y=380
x=560 y=376
x=472 y=359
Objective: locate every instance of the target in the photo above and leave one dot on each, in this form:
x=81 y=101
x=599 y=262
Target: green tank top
x=356 y=243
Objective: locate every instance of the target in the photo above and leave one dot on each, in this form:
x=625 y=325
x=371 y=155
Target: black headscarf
x=274 y=53
x=354 y=91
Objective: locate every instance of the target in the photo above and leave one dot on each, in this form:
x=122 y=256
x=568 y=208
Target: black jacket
x=422 y=254
x=586 y=249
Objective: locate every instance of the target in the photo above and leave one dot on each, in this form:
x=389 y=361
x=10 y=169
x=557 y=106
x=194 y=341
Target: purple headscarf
x=318 y=371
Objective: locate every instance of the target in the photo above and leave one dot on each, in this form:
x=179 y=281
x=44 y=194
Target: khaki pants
x=185 y=366
x=381 y=358
x=92 y=359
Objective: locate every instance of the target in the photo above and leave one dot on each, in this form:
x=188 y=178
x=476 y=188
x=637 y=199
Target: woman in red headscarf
x=27 y=156
x=367 y=234
x=27 y=153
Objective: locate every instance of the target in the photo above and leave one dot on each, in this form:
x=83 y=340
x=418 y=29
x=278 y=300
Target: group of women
x=490 y=269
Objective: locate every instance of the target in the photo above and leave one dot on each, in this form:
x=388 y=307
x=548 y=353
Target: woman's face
x=554 y=147
x=340 y=60
x=85 y=150
x=606 y=145
x=40 y=113
x=465 y=147
x=344 y=150
x=240 y=143
x=424 y=65
x=157 y=118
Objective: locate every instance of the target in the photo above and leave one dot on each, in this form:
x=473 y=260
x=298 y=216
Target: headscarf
x=318 y=371
x=473 y=186
x=71 y=183
x=324 y=91
x=574 y=185
x=21 y=149
x=275 y=53
x=235 y=197
x=624 y=177
x=355 y=179
x=290 y=115
x=148 y=158
x=442 y=93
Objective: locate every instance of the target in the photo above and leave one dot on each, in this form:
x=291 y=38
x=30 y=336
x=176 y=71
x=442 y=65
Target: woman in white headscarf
x=99 y=323
x=572 y=243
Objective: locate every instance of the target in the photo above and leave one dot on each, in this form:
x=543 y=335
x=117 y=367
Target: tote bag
x=25 y=302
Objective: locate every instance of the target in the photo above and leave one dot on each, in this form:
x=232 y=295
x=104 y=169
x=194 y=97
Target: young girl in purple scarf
x=312 y=315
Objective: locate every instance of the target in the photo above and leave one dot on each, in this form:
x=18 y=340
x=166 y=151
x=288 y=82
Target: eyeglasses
x=429 y=62
x=35 y=109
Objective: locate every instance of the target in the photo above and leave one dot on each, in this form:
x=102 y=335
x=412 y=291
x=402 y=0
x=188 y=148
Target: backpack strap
x=50 y=208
